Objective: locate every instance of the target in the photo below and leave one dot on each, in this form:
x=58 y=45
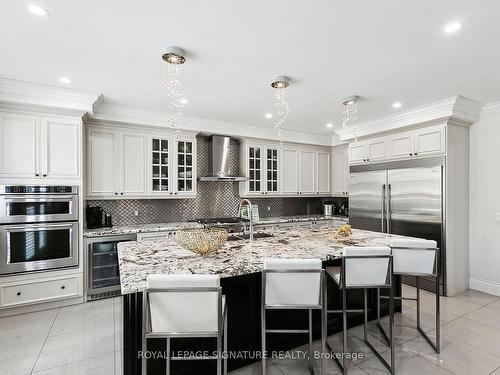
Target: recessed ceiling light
x=329 y=125
x=452 y=27
x=269 y=115
x=397 y=105
x=38 y=10
x=65 y=80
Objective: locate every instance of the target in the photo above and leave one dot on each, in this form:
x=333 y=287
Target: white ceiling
x=384 y=51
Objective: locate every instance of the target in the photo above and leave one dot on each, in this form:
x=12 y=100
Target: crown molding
x=491 y=108
x=34 y=96
x=458 y=109
x=108 y=113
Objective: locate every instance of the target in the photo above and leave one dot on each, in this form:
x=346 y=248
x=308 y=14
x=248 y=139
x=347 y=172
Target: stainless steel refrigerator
x=401 y=197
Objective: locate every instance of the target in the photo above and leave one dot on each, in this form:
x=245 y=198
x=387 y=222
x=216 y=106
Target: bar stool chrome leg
x=263 y=333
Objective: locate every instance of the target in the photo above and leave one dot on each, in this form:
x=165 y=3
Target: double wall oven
x=38 y=228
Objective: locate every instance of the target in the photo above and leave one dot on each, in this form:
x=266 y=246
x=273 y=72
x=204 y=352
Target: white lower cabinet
x=40 y=290
x=155 y=236
x=38 y=147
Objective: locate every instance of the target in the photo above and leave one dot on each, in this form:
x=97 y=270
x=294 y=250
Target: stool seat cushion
x=413 y=256
x=183 y=312
x=366 y=272
x=291 y=289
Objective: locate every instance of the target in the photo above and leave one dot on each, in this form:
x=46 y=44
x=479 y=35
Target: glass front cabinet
x=260 y=163
x=173 y=166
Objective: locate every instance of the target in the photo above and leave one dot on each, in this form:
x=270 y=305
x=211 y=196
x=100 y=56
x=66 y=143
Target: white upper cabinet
x=430 y=140
x=185 y=180
x=376 y=149
x=261 y=164
x=133 y=165
x=340 y=167
x=290 y=171
x=102 y=162
x=401 y=145
x=61 y=148
x=307 y=172
x=425 y=141
x=357 y=152
x=131 y=162
x=323 y=174
x=19 y=146
x=34 y=147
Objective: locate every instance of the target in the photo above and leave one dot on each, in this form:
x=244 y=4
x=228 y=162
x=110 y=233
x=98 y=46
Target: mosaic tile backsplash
x=213 y=199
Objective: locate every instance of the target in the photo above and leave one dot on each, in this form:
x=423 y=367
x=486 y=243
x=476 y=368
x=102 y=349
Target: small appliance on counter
x=95 y=216
x=328 y=208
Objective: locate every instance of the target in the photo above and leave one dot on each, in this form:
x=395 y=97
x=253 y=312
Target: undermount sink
x=234 y=237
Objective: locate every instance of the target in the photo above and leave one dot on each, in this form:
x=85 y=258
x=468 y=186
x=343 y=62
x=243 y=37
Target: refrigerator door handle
x=389 y=208
x=382 y=214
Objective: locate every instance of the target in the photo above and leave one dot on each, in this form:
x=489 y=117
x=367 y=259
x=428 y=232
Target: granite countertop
x=137 y=260
x=141 y=228
x=299 y=218
x=167 y=227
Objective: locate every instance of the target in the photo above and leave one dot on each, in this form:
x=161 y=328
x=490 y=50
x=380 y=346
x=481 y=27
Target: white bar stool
x=363 y=268
x=416 y=257
x=183 y=306
x=293 y=284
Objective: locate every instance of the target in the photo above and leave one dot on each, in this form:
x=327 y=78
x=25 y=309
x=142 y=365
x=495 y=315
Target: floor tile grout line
x=45 y=341
x=73 y=362
x=494 y=370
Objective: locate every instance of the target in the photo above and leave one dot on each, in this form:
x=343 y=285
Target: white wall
x=485 y=201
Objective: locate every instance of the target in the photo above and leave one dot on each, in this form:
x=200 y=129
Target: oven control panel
x=35 y=189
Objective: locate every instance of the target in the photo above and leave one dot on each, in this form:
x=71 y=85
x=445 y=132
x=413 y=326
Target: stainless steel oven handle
x=28 y=227
x=45 y=198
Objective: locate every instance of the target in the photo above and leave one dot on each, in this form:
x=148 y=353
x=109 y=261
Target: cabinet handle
x=63 y=287
x=37 y=175
x=411 y=154
x=116 y=193
x=171 y=193
x=121 y=193
x=44 y=175
x=415 y=154
x=18 y=293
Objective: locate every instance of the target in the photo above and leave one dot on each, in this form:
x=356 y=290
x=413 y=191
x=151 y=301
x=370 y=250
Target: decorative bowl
x=202 y=241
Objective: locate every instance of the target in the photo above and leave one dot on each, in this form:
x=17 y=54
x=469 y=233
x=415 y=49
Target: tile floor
x=86 y=339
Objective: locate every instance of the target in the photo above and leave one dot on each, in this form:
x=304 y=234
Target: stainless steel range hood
x=219 y=161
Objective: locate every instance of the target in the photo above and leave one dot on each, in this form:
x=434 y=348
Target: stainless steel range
x=38 y=228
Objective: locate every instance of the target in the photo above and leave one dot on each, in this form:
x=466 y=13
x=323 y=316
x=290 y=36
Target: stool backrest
x=414 y=256
x=366 y=266
x=184 y=303
x=285 y=285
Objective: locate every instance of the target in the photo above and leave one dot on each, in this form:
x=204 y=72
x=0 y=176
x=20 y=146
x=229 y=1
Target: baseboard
x=485 y=286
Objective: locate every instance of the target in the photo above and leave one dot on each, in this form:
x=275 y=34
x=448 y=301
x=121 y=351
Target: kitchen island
x=239 y=265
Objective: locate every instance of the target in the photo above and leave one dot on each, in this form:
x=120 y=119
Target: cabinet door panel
x=186 y=168
x=307 y=171
x=429 y=140
x=290 y=171
x=19 y=146
x=160 y=164
x=357 y=152
x=103 y=163
x=401 y=145
x=255 y=169
x=61 y=148
x=323 y=173
x=272 y=172
x=376 y=149
x=133 y=150
x=340 y=167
